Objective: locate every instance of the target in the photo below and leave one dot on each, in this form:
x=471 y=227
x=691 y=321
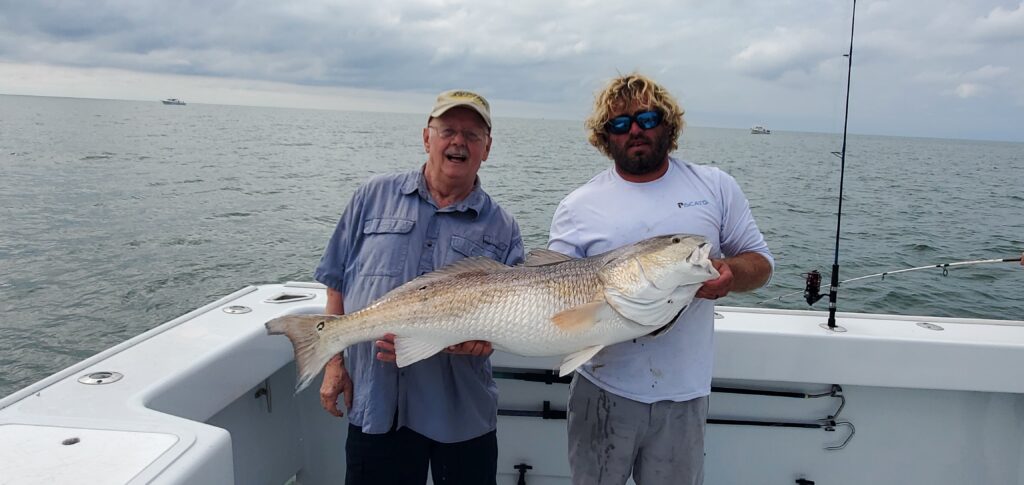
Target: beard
x=641 y=163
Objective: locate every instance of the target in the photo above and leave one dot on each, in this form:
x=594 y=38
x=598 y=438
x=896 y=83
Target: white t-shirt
x=609 y=212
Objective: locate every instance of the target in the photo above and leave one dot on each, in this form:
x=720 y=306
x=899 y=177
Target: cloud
x=42 y=80
x=985 y=80
x=530 y=48
x=969 y=90
x=1000 y=24
x=987 y=72
x=745 y=59
x=786 y=50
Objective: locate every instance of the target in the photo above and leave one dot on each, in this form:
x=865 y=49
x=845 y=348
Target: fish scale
x=550 y=305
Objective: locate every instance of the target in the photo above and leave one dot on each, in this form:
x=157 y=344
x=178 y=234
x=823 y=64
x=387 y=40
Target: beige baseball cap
x=461 y=98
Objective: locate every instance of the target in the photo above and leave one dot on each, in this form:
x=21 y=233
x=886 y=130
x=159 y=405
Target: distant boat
x=760 y=130
x=173 y=101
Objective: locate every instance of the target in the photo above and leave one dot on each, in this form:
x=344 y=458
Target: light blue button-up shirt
x=390 y=233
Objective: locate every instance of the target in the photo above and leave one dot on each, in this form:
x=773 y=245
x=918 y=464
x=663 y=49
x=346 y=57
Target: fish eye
x=676 y=240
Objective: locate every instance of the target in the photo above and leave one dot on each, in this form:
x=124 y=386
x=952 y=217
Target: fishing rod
x=834 y=287
x=812 y=288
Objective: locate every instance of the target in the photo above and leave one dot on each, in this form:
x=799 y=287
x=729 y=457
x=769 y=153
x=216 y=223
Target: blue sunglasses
x=620 y=125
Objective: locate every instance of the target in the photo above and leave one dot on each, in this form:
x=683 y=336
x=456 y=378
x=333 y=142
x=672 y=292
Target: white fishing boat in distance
x=209 y=398
x=174 y=101
x=760 y=130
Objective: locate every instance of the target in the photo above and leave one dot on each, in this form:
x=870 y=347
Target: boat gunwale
x=117 y=349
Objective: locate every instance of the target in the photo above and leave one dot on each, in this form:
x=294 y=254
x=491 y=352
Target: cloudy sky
x=937 y=68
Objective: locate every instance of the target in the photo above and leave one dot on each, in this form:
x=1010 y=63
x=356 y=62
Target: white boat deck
x=207 y=398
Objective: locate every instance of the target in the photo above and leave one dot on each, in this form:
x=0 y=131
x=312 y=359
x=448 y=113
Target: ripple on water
x=143 y=261
x=228 y=215
x=102 y=156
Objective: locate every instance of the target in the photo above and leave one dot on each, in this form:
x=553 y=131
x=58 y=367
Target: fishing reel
x=812 y=287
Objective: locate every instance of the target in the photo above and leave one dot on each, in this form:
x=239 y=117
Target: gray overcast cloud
x=943 y=68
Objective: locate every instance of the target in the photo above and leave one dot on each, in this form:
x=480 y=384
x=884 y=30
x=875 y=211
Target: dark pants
x=401 y=457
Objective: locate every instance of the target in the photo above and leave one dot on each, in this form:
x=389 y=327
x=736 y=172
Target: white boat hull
x=207 y=398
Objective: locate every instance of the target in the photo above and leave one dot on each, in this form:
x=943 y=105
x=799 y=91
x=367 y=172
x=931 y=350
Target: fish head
x=663 y=263
x=676 y=260
x=652 y=281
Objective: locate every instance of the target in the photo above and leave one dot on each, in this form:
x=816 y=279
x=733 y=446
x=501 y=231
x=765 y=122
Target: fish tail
x=310 y=354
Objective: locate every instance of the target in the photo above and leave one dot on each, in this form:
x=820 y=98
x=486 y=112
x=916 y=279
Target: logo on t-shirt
x=692 y=203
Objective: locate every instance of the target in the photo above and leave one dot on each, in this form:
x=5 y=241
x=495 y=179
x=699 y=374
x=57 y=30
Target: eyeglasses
x=621 y=125
x=471 y=136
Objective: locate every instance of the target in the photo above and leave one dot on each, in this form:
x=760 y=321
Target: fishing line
x=812 y=286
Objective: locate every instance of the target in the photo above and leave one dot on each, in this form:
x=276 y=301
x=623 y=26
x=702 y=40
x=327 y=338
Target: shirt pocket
x=464 y=247
x=385 y=246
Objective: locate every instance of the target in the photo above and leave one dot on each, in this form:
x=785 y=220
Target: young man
x=440 y=412
x=639 y=407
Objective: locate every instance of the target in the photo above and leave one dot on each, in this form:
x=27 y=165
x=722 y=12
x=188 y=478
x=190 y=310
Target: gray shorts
x=611 y=437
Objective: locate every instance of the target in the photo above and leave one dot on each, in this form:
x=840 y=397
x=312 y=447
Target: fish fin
x=651 y=309
x=576 y=359
x=473 y=264
x=476 y=264
x=580 y=317
x=303 y=331
x=409 y=351
x=544 y=257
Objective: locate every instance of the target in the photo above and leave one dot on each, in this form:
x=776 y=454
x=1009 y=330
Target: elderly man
x=440 y=412
x=639 y=407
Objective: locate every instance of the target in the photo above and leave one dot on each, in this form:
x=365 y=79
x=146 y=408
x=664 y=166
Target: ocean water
x=116 y=216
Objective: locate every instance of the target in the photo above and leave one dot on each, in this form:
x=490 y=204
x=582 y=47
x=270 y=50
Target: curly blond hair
x=623 y=90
